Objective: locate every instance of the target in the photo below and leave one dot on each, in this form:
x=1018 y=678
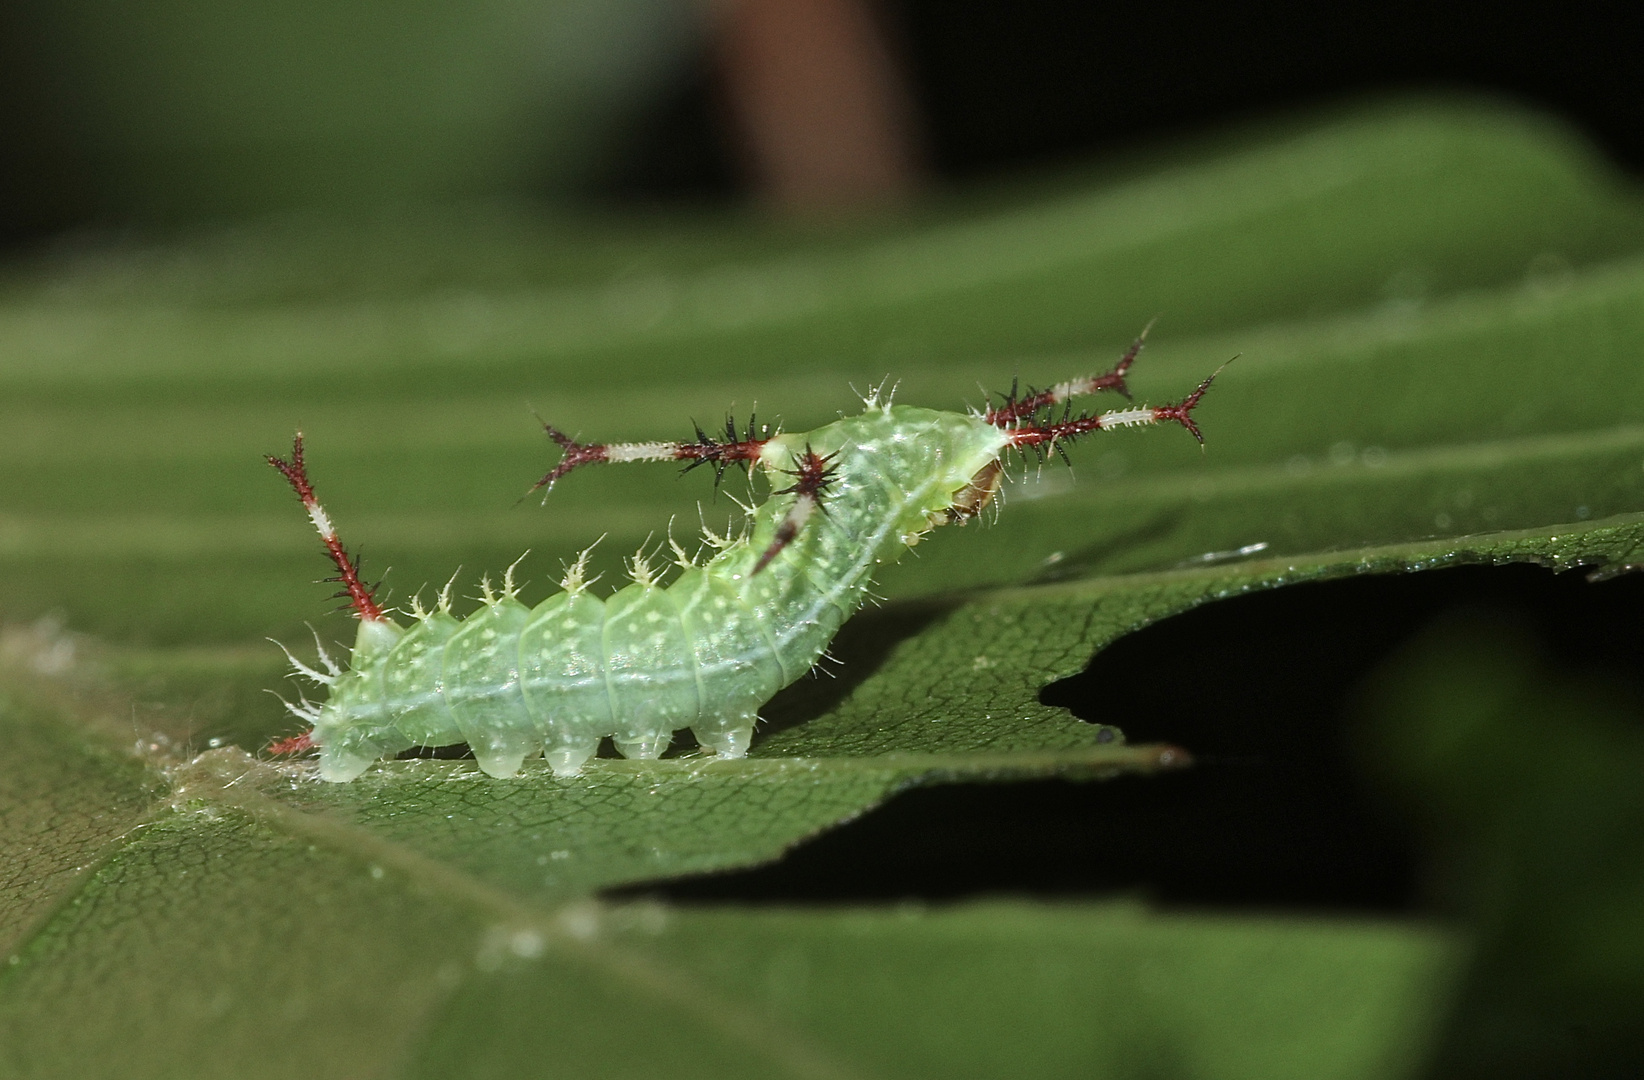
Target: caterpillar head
x=975 y=496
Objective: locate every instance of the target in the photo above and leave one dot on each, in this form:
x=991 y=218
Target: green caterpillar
x=708 y=649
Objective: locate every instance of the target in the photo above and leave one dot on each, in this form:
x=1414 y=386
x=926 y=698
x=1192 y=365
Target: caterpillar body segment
x=704 y=651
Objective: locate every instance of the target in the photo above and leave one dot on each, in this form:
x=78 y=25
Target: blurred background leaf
x=1527 y=772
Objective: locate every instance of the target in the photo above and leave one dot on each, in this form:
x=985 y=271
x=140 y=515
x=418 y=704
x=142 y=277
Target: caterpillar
x=705 y=651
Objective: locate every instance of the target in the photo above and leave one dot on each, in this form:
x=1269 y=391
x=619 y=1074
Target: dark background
x=1005 y=86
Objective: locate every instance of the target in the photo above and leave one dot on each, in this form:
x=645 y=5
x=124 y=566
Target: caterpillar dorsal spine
x=708 y=649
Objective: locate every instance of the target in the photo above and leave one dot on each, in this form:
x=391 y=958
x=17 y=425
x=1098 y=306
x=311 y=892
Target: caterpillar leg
x=338 y=765
x=347 y=749
x=568 y=758
x=643 y=745
x=501 y=753
x=728 y=736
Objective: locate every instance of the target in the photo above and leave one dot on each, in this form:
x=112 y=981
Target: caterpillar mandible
x=707 y=650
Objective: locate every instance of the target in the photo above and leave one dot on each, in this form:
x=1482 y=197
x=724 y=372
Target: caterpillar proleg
x=706 y=650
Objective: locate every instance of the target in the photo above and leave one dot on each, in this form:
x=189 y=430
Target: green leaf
x=1439 y=319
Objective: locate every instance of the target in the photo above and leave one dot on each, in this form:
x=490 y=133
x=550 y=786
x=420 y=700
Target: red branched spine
x=359 y=594
x=706 y=450
x=1182 y=411
x=576 y=455
x=812 y=473
x=721 y=455
x=1046 y=434
x=1018 y=407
